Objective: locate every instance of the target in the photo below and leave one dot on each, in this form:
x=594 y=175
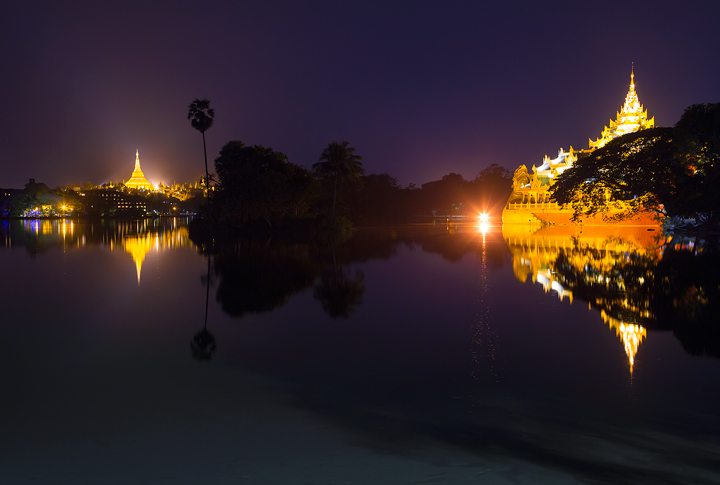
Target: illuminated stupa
x=137 y=179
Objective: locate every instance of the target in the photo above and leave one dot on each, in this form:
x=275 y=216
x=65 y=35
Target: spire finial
x=632 y=73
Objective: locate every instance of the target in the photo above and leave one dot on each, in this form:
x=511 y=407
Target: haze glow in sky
x=420 y=89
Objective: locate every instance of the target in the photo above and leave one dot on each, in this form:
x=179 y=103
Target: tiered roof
x=632 y=117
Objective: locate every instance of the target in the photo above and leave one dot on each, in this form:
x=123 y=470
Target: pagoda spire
x=631 y=117
x=137 y=179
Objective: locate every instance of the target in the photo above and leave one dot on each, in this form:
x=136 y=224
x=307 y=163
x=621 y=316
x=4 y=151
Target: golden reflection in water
x=630 y=334
x=137 y=237
x=139 y=246
x=593 y=253
x=485 y=336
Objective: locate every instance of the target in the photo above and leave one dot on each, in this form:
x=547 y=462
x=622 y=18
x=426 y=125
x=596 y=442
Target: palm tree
x=201 y=117
x=339 y=161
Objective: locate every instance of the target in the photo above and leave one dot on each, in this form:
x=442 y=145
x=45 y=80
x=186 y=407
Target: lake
x=436 y=353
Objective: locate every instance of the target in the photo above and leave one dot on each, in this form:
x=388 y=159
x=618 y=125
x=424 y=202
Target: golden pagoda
x=531 y=198
x=137 y=179
x=632 y=117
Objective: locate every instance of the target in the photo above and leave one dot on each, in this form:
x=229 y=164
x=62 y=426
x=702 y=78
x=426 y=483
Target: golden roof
x=632 y=117
x=137 y=179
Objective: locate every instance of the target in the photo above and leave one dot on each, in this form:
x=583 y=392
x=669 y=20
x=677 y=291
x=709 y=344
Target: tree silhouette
x=201 y=117
x=256 y=182
x=339 y=161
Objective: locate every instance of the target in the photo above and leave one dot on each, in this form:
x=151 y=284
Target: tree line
x=256 y=184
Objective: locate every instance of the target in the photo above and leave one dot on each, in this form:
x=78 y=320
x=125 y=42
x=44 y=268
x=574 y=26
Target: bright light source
x=484 y=217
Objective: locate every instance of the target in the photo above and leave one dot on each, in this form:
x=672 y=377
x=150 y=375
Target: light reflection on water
x=136 y=237
x=592 y=252
x=490 y=339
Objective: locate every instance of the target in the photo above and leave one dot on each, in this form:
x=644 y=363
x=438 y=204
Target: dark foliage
x=670 y=171
x=257 y=183
x=338 y=163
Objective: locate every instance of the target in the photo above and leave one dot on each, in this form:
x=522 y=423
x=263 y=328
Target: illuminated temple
x=137 y=179
x=530 y=201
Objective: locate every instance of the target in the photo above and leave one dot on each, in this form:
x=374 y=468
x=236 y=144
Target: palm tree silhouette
x=201 y=117
x=339 y=161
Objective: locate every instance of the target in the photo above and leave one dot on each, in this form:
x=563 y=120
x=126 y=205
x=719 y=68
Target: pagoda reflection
x=135 y=237
x=604 y=266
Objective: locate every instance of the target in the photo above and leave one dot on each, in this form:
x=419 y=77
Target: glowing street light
x=484 y=217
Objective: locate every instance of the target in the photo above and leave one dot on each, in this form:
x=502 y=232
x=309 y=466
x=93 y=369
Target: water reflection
x=485 y=335
x=257 y=275
x=135 y=237
x=629 y=274
x=636 y=280
x=399 y=335
x=339 y=291
x=203 y=343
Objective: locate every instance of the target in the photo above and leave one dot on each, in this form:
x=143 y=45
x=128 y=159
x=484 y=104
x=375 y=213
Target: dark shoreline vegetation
x=260 y=191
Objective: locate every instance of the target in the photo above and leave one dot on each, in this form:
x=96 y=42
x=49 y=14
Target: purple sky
x=420 y=89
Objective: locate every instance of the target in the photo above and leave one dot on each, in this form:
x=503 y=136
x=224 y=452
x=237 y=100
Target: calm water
x=423 y=354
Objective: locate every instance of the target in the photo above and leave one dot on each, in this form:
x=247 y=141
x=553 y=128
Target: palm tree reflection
x=203 y=343
x=340 y=293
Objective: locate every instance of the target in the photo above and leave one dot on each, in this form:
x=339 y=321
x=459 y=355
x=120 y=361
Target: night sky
x=420 y=89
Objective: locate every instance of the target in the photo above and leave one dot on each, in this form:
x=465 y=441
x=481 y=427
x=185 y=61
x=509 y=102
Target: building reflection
x=604 y=266
x=137 y=238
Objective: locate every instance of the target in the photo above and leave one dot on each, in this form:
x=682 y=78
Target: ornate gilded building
x=632 y=117
x=137 y=179
x=530 y=200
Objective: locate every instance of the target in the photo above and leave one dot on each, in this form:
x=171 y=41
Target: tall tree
x=339 y=162
x=201 y=117
x=256 y=182
x=672 y=171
